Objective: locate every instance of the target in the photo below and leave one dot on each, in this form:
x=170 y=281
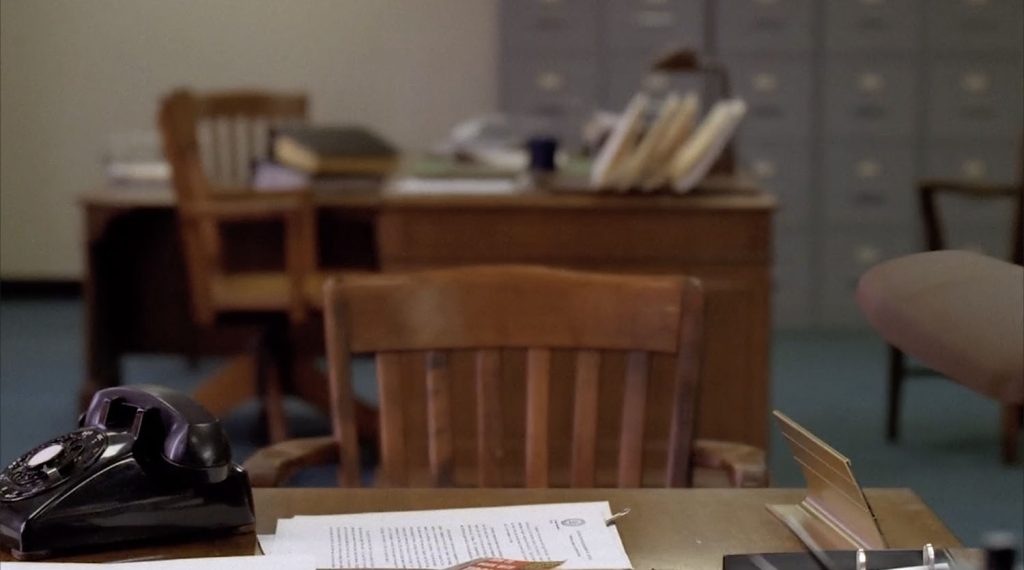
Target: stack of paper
x=576 y=534
x=671 y=152
x=220 y=563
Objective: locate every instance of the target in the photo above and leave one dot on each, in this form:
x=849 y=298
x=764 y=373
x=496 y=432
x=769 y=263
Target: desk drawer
x=974 y=98
x=657 y=25
x=870 y=182
x=765 y=26
x=628 y=74
x=645 y=239
x=870 y=97
x=552 y=26
x=872 y=25
x=784 y=169
x=846 y=256
x=778 y=95
x=956 y=26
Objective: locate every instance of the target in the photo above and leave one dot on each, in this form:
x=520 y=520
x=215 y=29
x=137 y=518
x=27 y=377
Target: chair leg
x=273 y=370
x=1013 y=414
x=897 y=371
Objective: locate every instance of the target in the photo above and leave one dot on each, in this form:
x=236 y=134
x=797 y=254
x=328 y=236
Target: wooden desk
x=136 y=297
x=666 y=528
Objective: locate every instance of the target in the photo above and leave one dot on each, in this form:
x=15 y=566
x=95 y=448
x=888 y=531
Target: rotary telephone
x=147 y=463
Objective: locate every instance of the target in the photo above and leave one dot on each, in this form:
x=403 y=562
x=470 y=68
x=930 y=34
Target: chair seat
x=959 y=313
x=262 y=291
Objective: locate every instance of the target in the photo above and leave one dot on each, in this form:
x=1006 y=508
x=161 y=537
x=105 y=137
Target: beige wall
x=75 y=71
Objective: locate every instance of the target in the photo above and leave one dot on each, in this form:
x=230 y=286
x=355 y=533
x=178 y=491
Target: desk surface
x=666 y=528
x=714 y=194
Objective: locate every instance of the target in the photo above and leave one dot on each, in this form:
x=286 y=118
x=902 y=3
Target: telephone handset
x=147 y=463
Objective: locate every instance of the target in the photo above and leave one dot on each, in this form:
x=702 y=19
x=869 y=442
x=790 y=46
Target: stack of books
x=672 y=152
x=314 y=156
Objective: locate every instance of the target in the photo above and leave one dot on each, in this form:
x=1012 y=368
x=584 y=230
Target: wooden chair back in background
x=234 y=123
x=492 y=376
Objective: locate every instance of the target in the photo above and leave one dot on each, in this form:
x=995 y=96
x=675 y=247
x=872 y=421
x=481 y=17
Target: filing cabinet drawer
x=783 y=170
x=872 y=25
x=549 y=25
x=761 y=26
x=846 y=256
x=869 y=182
x=654 y=25
x=778 y=95
x=628 y=74
x=974 y=98
x=955 y=26
x=870 y=97
x=791 y=280
x=558 y=91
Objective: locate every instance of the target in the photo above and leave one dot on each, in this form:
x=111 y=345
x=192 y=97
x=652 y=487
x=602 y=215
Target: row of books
x=671 y=151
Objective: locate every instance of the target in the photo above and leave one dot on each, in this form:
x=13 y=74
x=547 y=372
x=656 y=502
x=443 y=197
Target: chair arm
x=273 y=465
x=971 y=189
x=744 y=464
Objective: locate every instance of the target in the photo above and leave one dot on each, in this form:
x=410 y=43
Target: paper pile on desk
x=220 y=563
x=575 y=534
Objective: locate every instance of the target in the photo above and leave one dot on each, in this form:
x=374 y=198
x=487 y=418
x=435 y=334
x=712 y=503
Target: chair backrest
x=520 y=376
x=235 y=124
x=934 y=233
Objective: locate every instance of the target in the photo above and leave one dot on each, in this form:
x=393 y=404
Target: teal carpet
x=833 y=383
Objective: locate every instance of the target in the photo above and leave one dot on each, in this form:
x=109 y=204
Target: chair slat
x=584 y=436
x=392 y=428
x=231 y=146
x=538 y=379
x=489 y=438
x=342 y=404
x=439 y=427
x=631 y=438
x=215 y=150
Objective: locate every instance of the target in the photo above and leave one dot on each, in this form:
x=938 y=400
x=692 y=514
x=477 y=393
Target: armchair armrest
x=273 y=465
x=744 y=464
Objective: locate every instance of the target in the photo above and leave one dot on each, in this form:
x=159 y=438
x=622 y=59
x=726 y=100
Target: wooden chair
x=211 y=192
x=929 y=192
x=519 y=376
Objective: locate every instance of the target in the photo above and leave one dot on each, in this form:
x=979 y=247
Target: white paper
x=454 y=186
x=292 y=562
x=266 y=542
x=575 y=533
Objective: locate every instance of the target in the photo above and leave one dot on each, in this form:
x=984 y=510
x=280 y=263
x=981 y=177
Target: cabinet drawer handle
x=765 y=82
x=868 y=168
x=764 y=168
x=975 y=82
x=550 y=81
x=656 y=82
x=652 y=19
x=871 y=82
x=866 y=254
x=974 y=168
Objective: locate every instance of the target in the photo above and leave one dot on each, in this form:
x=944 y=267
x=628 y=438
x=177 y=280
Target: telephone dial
x=147 y=463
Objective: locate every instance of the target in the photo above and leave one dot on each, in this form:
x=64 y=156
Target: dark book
x=334 y=150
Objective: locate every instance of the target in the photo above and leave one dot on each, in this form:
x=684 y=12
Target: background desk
x=666 y=528
x=136 y=297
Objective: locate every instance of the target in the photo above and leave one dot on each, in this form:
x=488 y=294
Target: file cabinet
x=850 y=103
